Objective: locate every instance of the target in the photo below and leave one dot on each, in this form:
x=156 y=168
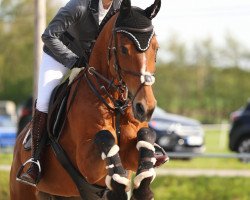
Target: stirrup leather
x=31 y=160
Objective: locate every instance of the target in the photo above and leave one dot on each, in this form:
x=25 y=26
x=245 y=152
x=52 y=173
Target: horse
x=105 y=136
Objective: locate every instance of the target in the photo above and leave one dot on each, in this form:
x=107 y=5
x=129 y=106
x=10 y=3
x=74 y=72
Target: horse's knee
x=145 y=145
x=105 y=142
x=147 y=135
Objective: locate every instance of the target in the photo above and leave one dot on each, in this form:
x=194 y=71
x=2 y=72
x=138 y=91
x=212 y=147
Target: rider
x=67 y=44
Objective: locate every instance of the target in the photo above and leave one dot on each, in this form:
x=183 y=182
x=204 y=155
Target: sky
x=193 y=20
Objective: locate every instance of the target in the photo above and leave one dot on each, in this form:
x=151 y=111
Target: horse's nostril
x=140 y=109
x=150 y=113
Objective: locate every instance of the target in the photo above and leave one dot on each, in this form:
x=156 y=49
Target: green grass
x=181 y=188
x=185 y=188
x=201 y=188
x=208 y=163
x=4 y=185
x=216 y=142
x=6 y=159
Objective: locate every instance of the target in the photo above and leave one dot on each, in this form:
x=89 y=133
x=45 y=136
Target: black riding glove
x=81 y=62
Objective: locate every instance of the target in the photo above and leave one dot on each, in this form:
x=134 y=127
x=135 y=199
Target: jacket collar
x=93 y=5
x=94 y=8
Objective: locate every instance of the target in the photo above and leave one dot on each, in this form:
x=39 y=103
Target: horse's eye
x=124 y=50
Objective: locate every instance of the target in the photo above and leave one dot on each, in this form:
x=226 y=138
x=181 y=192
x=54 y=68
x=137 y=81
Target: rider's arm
x=67 y=16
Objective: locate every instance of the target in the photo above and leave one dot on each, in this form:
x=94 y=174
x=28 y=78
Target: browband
x=137 y=30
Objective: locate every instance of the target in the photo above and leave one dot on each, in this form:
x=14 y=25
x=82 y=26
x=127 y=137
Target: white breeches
x=51 y=73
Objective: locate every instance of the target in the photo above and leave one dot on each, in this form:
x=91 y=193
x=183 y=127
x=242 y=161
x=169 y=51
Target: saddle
x=57 y=111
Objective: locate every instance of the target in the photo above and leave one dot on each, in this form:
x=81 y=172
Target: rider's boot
x=38 y=134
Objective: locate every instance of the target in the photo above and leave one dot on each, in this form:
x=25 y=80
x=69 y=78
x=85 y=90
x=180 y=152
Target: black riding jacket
x=72 y=32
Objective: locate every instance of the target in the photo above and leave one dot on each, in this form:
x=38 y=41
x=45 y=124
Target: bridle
x=118 y=84
x=146 y=78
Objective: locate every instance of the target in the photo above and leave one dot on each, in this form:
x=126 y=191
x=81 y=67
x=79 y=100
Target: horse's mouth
x=140 y=118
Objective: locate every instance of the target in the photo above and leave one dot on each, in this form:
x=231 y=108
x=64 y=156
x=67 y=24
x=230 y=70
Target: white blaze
x=146 y=77
x=144 y=65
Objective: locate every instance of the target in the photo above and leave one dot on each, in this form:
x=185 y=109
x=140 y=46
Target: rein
x=119 y=105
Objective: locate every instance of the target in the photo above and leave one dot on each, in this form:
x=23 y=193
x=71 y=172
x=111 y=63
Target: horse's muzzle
x=142 y=113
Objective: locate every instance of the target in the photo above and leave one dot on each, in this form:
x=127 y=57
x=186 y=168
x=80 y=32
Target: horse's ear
x=152 y=10
x=125 y=7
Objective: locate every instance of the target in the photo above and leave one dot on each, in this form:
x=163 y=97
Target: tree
x=17 y=43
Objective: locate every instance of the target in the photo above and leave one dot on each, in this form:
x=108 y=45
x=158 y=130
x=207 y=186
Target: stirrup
x=31 y=160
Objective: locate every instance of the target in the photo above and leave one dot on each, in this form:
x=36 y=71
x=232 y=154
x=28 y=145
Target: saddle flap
x=27 y=139
x=56 y=115
x=57 y=109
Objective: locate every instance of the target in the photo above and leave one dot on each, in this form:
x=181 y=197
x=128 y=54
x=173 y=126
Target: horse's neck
x=99 y=56
x=98 y=59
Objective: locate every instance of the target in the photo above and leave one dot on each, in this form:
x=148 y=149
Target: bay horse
x=105 y=135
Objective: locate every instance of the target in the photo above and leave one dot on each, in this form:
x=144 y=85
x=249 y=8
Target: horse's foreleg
x=145 y=173
x=116 y=179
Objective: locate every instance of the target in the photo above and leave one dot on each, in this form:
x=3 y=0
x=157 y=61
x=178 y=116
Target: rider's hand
x=81 y=62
